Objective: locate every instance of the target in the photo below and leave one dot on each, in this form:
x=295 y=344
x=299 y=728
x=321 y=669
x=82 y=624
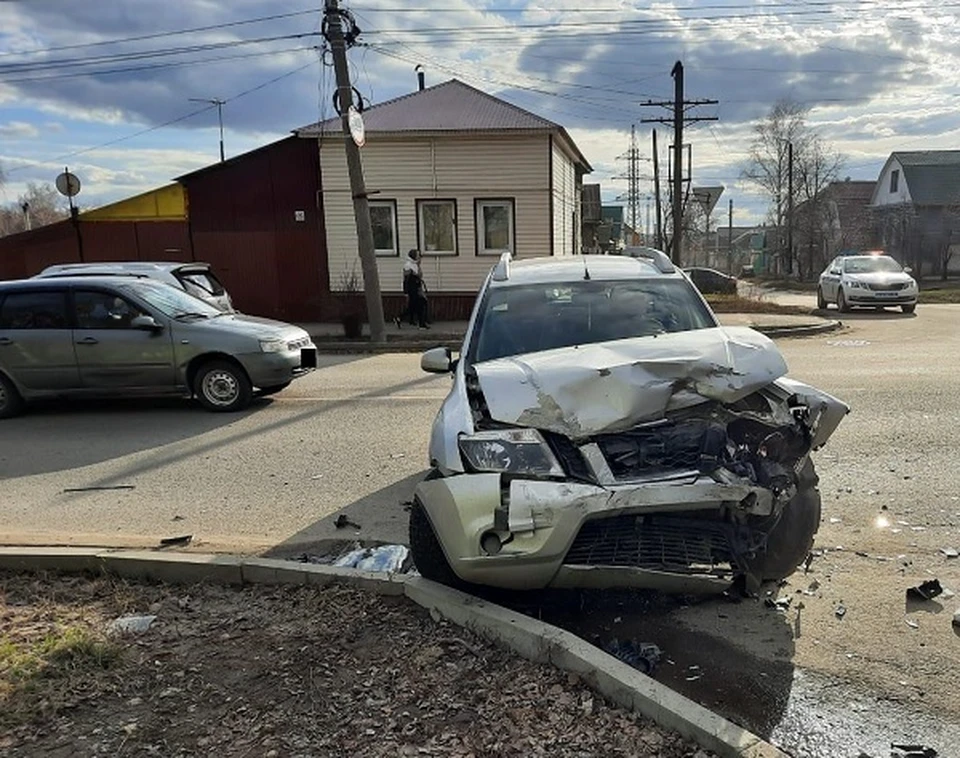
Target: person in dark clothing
x=416 y=292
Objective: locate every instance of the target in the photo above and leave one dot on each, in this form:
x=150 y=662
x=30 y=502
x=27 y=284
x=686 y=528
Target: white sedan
x=873 y=281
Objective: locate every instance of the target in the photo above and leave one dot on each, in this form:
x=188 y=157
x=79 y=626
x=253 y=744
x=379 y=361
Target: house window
x=383 y=218
x=437 y=226
x=495 y=228
x=894 y=181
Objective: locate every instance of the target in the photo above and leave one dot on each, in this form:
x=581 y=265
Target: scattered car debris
x=315 y=477
x=780 y=603
x=388 y=558
x=807 y=562
x=177 y=518
x=130 y=624
x=925 y=591
x=912 y=751
x=343 y=521
x=911 y=623
x=956 y=619
x=105 y=488
x=841 y=611
x=694 y=673
x=950 y=552
x=181 y=541
x=643 y=656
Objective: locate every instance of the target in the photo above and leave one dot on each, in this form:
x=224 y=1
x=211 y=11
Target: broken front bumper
x=529 y=534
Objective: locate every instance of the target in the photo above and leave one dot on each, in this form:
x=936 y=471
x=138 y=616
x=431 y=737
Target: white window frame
x=480 y=233
x=393 y=252
x=421 y=241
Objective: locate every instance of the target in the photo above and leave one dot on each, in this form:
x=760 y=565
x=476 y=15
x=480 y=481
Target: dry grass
x=254 y=671
x=738 y=304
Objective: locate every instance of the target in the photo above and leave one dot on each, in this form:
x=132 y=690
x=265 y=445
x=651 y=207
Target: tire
x=11 y=404
x=842 y=305
x=790 y=539
x=426 y=551
x=264 y=391
x=821 y=300
x=909 y=308
x=222 y=387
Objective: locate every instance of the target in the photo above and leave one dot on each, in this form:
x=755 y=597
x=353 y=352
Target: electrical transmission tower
x=633 y=195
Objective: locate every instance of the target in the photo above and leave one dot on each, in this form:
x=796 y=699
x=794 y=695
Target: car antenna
x=586 y=271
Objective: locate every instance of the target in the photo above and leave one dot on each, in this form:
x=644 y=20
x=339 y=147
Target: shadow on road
x=866 y=314
x=706 y=660
x=60 y=435
x=378 y=518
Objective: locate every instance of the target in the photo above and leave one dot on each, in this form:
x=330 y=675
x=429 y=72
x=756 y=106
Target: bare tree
x=41 y=203
x=815 y=165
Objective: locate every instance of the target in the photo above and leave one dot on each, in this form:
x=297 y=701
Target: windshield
x=171 y=301
x=531 y=318
x=871 y=264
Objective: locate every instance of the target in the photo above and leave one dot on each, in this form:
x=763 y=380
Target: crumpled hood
x=612 y=386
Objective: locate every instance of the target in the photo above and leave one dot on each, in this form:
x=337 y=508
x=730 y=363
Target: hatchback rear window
x=200 y=283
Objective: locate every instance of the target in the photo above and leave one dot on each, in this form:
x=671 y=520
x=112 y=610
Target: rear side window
x=34 y=310
x=200 y=283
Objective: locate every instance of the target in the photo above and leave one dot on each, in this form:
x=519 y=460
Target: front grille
x=896 y=287
x=681 y=545
x=662 y=448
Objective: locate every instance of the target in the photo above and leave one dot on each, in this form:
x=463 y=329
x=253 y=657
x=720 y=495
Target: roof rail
x=501 y=272
x=660 y=259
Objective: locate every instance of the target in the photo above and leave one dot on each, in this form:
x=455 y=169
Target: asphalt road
x=351 y=439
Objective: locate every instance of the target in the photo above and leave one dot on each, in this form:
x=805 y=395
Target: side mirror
x=835 y=271
x=438 y=360
x=907 y=270
x=147 y=323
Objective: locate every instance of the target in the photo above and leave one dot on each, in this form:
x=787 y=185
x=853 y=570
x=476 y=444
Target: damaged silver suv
x=604 y=431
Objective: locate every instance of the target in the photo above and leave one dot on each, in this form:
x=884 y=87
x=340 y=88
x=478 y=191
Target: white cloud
x=18 y=130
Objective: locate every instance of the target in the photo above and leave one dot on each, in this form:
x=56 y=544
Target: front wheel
x=909 y=308
x=790 y=539
x=223 y=387
x=11 y=404
x=842 y=305
x=426 y=550
x=821 y=300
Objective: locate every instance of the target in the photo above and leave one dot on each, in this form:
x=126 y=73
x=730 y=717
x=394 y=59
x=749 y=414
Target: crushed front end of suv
x=603 y=430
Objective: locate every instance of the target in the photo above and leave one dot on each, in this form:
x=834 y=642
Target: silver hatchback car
x=109 y=336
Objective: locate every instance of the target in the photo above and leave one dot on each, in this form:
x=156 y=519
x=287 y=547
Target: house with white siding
x=459 y=174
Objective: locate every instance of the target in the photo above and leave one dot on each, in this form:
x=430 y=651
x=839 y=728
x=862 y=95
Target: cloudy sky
x=108 y=92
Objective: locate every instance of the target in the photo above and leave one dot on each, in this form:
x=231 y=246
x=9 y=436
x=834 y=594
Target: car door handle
x=88 y=341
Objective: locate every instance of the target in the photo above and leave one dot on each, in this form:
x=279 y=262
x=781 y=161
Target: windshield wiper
x=191 y=314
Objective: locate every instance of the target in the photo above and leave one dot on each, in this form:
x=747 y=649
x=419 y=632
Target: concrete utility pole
x=679 y=106
x=656 y=190
x=219 y=104
x=361 y=206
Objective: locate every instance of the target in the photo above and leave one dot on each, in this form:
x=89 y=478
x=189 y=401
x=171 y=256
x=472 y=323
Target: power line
x=158 y=35
x=172 y=121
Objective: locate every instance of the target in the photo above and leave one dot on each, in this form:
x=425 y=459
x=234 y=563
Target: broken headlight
x=512 y=451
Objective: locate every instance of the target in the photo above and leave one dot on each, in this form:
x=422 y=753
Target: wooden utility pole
x=678 y=106
x=789 y=207
x=361 y=207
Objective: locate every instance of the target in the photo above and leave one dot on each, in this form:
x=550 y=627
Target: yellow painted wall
x=165 y=204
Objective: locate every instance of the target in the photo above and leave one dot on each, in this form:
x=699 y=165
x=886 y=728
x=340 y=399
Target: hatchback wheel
x=222 y=386
x=11 y=403
x=821 y=300
x=909 y=308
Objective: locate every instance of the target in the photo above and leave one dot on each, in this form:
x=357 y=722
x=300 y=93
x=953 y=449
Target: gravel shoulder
x=319 y=671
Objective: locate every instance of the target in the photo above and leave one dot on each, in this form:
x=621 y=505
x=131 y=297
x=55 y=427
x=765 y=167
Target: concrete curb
x=530 y=638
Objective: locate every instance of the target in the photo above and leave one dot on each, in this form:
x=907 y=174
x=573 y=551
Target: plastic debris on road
x=926 y=591
x=949 y=552
x=643 y=656
x=131 y=624
x=912 y=751
x=388 y=558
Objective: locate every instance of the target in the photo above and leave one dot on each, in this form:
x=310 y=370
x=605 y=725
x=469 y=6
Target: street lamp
x=219 y=104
